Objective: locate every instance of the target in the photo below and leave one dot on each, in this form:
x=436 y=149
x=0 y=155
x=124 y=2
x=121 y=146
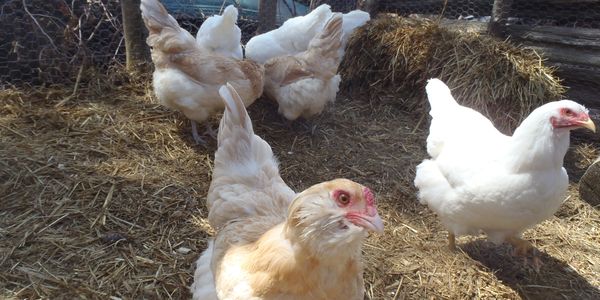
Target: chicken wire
x=46 y=42
x=572 y=13
x=577 y=23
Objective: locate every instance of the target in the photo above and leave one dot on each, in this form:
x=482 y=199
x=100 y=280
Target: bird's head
x=567 y=114
x=333 y=215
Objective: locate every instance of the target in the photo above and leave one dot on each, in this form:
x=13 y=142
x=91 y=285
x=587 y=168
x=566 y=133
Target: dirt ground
x=104 y=197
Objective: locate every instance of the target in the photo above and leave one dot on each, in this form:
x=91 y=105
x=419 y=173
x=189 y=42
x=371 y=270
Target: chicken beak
x=372 y=223
x=588 y=124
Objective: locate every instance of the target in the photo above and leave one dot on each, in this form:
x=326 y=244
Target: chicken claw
x=210 y=131
x=526 y=250
x=197 y=138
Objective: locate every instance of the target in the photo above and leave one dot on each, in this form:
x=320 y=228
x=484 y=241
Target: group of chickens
x=294 y=65
x=274 y=243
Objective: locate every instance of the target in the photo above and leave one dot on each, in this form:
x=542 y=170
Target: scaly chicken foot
x=195 y=135
x=210 y=131
x=525 y=249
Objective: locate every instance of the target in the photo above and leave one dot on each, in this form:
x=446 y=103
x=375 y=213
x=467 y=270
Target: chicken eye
x=344 y=198
x=568 y=112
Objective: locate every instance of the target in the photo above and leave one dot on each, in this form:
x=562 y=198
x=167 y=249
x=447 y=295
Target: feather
x=272 y=243
x=304 y=83
x=187 y=77
x=479 y=179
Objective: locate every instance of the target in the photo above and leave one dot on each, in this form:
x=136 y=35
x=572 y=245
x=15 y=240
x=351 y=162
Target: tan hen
x=272 y=243
x=186 y=77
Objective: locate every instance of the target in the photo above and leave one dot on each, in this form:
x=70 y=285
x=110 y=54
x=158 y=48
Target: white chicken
x=480 y=179
x=186 y=77
x=221 y=35
x=295 y=34
x=290 y=38
x=272 y=243
x=352 y=20
x=286 y=76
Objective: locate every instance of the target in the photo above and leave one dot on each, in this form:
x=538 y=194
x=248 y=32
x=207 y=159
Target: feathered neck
x=537 y=145
x=308 y=241
x=289 y=266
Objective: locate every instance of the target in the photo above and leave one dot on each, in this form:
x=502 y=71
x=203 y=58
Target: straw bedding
x=104 y=197
x=397 y=55
x=102 y=192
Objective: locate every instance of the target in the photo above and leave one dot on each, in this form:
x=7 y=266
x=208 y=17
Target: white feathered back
x=290 y=38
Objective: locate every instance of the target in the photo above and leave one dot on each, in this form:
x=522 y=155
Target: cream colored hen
x=187 y=78
x=304 y=83
x=272 y=243
x=295 y=34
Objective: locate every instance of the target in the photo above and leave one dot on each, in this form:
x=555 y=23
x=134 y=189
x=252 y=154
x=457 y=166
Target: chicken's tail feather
x=235 y=114
x=329 y=40
x=246 y=180
x=317 y=16
x=324 y=48
x=164 y=32
x=230 y=14
x=439 y=95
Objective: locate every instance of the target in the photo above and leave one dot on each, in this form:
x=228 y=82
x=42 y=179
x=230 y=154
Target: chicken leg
x=209 y=131
x=522 y=248
x=195 y=134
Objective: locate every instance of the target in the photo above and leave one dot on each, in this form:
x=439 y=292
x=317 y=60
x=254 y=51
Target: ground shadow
x=555 y=280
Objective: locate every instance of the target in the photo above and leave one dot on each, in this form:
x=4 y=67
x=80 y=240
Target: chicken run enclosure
x=103 y=191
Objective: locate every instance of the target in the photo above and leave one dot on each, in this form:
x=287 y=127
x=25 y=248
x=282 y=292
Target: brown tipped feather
x=187 y=77
x=327 y=43
x=164 y=31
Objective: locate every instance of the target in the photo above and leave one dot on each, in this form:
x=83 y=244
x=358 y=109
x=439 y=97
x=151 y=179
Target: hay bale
x=589 y=185
x=398 y=55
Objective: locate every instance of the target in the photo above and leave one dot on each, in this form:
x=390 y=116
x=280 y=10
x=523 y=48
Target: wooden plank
x=568 y=55
x=580 y=37
x=580 y=73
x=542 y=2
x=428 y=3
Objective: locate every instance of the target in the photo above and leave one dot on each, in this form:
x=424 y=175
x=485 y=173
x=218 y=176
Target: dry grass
x=104 y=197
x=398 y=55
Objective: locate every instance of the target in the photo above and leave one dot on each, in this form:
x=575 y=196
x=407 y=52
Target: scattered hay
x=398 y=55
x=104 y=198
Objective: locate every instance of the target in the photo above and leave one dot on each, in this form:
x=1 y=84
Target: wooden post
x=136 y=51
x=370 y=6
x=500 y=13
x=267 y=15
x=589 y=184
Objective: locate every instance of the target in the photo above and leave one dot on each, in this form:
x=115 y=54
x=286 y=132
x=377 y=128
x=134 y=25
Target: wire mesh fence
x=44 y=42
x=51 y=41
x=566 y=32
x=570 y=13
